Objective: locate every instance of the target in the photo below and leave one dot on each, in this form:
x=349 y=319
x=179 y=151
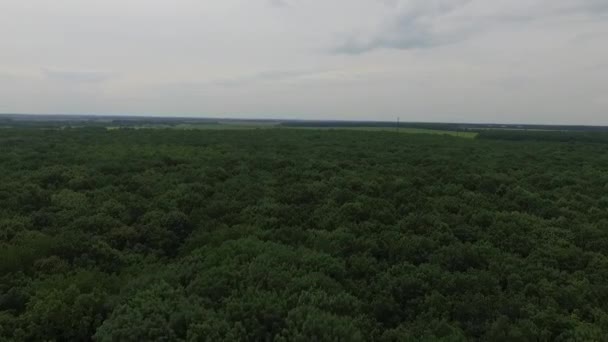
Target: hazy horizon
x=469 y=61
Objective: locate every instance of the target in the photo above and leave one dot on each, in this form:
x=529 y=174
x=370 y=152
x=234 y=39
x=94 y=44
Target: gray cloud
x=278 y=3
x=265 y=76
x=414 y=27
x=408 y=34
x=230 y=83
x=427 y=24
x=593 y=6
x=77 y=76
x=6 y=76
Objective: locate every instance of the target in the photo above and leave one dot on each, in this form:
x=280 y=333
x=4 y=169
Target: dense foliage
x=289 y=235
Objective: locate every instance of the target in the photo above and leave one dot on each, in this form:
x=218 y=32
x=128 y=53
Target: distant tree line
x=556 y=136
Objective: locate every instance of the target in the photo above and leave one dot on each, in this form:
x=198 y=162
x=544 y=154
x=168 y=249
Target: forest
x=302 y=235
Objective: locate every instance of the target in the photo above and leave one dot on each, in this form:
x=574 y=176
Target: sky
x=490 y=61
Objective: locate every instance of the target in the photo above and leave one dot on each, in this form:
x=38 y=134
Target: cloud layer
x=78 y=76
x=536 y=61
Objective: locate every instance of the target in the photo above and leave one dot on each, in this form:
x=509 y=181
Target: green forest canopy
x=301 y=235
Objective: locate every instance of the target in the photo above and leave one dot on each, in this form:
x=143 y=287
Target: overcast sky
x=512 y=61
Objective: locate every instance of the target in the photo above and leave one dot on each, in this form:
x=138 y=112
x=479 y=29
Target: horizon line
x=234 y=118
